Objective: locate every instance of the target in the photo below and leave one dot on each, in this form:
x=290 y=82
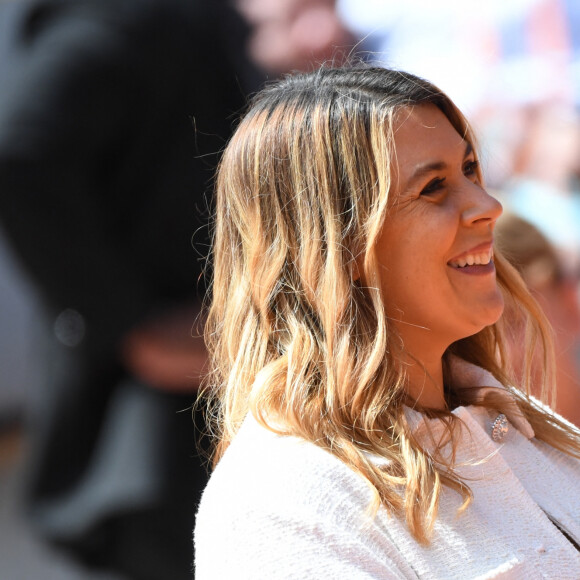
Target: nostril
x=482 y=208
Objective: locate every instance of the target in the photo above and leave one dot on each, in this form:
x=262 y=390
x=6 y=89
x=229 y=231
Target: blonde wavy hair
x=294 y=338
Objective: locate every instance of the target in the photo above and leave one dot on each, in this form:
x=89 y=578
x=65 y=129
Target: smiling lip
x=477 y=260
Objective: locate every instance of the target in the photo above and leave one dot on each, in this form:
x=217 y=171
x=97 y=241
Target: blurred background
x=112 y=115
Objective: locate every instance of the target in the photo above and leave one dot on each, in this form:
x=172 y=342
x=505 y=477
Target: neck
x=425 y=378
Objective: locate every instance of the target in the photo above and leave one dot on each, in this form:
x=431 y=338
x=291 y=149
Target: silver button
x=499 y=427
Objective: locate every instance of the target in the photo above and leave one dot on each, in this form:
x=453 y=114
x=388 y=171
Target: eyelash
x=433 y=186
x=469 y=169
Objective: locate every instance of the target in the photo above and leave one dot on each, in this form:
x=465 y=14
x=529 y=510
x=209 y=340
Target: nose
x=480 y=207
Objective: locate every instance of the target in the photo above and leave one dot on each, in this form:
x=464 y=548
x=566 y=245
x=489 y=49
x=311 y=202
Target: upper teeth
x=480 y=258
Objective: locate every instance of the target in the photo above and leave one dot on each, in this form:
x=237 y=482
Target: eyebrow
x=427 y=168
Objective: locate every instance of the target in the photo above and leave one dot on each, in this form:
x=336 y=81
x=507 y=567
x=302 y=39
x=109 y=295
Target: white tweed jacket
x=282 y=508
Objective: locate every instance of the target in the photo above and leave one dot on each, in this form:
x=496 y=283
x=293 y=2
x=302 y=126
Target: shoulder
x=282 y=507
x=265 y=468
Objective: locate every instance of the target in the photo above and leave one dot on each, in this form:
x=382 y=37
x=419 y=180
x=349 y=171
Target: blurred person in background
x=542 y=188
x=295 y=34
x=112 y=114
x=556 y=290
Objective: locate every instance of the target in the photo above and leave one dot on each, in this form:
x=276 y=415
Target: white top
x=282 y=508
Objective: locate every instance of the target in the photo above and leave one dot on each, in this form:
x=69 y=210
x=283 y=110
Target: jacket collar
x=476 y=386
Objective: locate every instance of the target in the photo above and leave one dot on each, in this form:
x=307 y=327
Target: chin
x=486 y=316
x=489 y=316
x=497 y=309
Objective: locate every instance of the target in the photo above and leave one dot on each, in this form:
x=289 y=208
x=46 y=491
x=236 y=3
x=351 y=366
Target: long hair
x=294 y=338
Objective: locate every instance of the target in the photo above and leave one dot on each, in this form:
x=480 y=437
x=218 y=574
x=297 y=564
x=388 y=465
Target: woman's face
x=435 y=250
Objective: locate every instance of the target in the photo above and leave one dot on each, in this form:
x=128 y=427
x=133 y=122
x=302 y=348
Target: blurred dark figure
x=111 y=116
x=556 y=291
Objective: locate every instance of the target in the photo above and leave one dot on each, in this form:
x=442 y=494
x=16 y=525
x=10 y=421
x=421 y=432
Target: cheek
x=412 y=246
x=412 y=254
x=413 y=282
x=423 y=252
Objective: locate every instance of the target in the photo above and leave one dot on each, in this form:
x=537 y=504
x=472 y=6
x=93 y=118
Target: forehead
x=422 y=135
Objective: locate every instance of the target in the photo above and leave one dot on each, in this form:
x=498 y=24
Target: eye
x=470 y=168
x=433 y=186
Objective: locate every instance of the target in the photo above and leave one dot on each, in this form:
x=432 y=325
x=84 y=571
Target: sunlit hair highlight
x=294 y=338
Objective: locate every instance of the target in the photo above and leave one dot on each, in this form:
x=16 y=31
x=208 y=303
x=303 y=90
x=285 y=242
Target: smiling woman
x=366 y=421
x=435 y=248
